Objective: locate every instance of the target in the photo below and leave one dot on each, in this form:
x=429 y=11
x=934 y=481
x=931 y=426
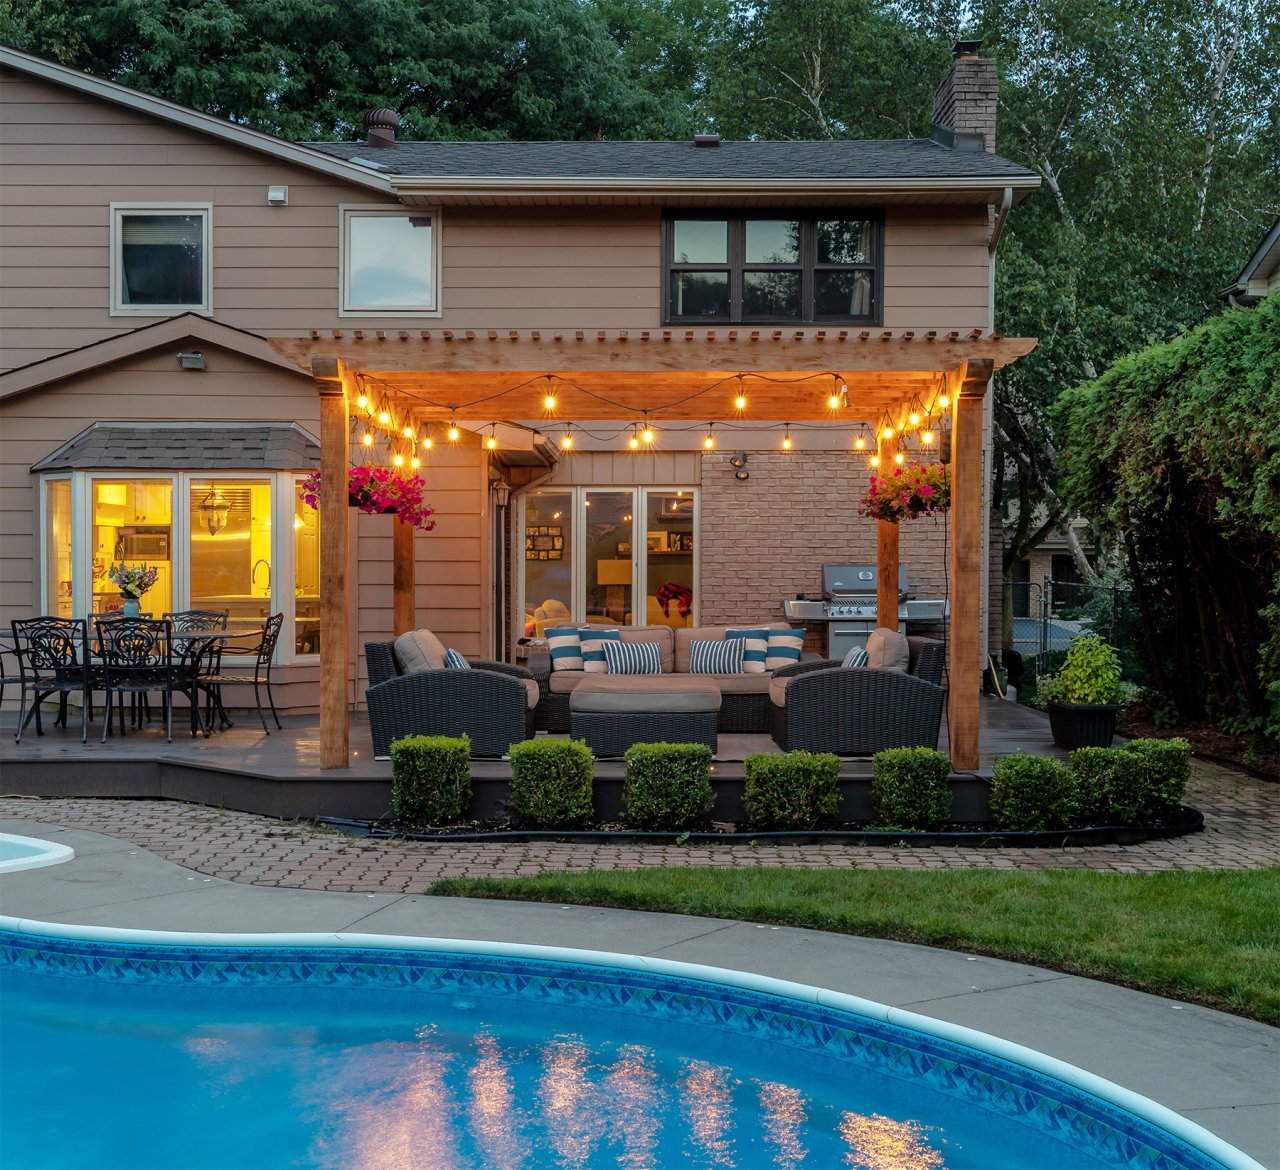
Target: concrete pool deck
x=1217 y=1070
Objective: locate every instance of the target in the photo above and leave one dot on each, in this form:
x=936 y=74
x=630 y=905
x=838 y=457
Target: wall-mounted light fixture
x=192 y=360
x=278 y=196
x=738 y=461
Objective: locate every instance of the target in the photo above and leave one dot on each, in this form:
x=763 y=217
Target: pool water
x=222 y=1056
x=30 y=853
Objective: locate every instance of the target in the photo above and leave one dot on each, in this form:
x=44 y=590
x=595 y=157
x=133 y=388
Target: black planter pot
x=1076 y=725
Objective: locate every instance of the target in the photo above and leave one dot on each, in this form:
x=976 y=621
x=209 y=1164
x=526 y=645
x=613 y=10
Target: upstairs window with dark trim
x=772 y=268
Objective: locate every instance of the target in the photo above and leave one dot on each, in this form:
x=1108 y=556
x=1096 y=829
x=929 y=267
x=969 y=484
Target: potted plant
x=380 y=489
x=1086 y=694
x=133 y=581
x=907 y=492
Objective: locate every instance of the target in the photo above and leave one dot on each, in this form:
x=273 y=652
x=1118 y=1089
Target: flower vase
x=132 y=605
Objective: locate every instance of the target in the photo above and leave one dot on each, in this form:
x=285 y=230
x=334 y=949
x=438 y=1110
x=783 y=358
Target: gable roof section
x=920 y=166
x=174 y=331
x=167 y=111
x=1262 y=267
x=208 y=446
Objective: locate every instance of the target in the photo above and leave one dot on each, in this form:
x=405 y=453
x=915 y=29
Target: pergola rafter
x=690 y=375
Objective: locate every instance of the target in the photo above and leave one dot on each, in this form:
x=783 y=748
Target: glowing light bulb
x=453 y=434
x=549 y=402
x=647 y=435
x=491 y=443
x=426 y=444
x=786 y=442
x=408 y=432
x=898 y=457
x=566 y=442
x=740 y=402
x=398 y=460
x=834 y=402
x=875 y=460
x=926 y=437
x=362 y=401
x=634 y=443
x=944 y=402
x=887 y=433
x=415 y=463
x=367 y=440
x=384 y=417
x=709 y=443
x=914 y=418
x=860 y=444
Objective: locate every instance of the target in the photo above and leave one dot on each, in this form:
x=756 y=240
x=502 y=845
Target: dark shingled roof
x=908 y=158
x=269 y=446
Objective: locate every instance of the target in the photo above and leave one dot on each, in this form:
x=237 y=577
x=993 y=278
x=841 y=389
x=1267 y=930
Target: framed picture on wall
x=675 y=508
x=656 y=542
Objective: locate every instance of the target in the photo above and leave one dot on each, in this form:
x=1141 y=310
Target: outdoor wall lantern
x=738 y=461
x=191 y=360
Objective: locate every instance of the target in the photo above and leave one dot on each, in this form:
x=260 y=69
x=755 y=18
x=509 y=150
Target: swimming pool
x=172 y=1050
x=18 y=853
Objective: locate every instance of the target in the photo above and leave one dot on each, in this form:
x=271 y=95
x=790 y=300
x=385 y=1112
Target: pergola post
x=967 y=525
x=334 y=731
x=403 y=601
x=887 y=554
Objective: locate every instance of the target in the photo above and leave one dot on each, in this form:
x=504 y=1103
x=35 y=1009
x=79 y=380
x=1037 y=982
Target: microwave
x=143 y=544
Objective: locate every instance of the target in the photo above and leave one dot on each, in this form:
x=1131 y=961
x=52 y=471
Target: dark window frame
x=808 y=265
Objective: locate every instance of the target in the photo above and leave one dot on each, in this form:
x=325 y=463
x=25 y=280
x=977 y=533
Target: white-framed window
x=161 y=259
x=241 y=543
x=390 y=262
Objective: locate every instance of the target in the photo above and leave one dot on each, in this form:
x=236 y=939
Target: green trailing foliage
x=795 y=790
x=909 y=788
x=1173 y=453
x=551 y=783
x=430 y=779
x=1031 y=794
x=1090 y=673
x=667 y=786
x=1166 y=765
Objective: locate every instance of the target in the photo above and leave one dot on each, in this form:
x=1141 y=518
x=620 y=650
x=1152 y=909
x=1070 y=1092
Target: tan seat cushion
x=531 y=692
x=778 y=689
x=419 y=650
x=644 y=694
x=888 y=650
x=738 y=684
x=686 y=637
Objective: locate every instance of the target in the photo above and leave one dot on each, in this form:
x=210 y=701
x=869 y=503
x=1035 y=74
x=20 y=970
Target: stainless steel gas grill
x=848 y=606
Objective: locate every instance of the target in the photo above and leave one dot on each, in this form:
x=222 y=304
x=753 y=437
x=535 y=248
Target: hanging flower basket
x=379 y=490
x=907 y=492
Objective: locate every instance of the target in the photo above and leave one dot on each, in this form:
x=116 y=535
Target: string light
x=926 y=437
x=426 y=443
x=860 y=444
x=633 y=442
x=367 y=439
x=384 y=417
x=566 y=441
x=549 y=402
x=898 y=457
x=740 y=402
x=492 y=441
x=453 y=430
x=944 y=402
x=408 y=432
x=709 y=443
x=834 y=402
x=647 y=435
x=914 y=418
x=875 y=460
x=786 y=439
x=887 y=433
x=415 y=463
x=398 y=460
x=362 y=401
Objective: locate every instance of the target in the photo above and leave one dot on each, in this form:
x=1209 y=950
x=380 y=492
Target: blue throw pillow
x=755 y=649
x=632 y=657
x=453 y=660
x=856 y=657
x=593 y=640
x=784 y=648
x=722 y=657
x=565 y=645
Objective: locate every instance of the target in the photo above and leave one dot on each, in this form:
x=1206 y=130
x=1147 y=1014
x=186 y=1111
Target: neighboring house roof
x=243 y=446
x=168 y=111
x=174 y=331
x=1261 y=274
x=449 y=171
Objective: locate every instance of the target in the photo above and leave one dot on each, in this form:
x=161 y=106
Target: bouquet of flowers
x=379 y=489
x=915 y=489
x=132 y=580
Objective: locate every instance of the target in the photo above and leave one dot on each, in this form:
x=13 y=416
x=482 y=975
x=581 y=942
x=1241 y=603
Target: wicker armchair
x=857 y=711
x=489 y=703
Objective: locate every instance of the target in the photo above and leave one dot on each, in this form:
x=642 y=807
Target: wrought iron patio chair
x=137 y=659
x=53 y=658
x=263 y=652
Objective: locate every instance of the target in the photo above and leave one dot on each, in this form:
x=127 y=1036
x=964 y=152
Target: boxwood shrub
x=1110 y=783
x=1030 y=794
x=796 y=790
x=909 y=788
x=551 y=783
x=667 y=785
x=1166 y=766
x=430 y=778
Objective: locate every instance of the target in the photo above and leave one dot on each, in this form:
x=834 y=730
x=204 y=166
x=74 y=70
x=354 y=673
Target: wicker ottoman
x=614 y=711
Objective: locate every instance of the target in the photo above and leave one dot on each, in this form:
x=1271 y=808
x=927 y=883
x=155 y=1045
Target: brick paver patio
x=1242 y=831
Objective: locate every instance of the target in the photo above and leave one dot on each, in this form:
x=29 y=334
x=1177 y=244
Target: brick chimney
x=964 y=108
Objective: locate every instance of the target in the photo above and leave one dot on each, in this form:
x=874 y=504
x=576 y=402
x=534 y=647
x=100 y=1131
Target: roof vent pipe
x=706 y=140
x=381 y=126
x=965 y=49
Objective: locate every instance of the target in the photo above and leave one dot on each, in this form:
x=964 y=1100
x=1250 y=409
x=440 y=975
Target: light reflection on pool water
x=410 y=1058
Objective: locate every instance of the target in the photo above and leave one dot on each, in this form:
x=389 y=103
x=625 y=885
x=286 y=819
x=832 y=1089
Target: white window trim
x=345 y=212
x=118 y=211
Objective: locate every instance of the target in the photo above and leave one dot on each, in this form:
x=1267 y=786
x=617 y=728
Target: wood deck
x=280 y=775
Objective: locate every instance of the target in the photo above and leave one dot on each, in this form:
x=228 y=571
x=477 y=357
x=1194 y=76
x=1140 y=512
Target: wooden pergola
x=659 y=375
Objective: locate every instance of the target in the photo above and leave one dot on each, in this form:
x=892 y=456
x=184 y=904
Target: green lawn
x=1208 y=938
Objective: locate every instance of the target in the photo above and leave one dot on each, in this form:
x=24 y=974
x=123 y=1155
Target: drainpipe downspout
x=1006 y=202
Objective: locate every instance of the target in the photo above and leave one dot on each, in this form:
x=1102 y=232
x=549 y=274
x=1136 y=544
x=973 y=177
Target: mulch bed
x=1208 y=742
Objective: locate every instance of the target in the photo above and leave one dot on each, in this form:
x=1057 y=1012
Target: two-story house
x=644 y=382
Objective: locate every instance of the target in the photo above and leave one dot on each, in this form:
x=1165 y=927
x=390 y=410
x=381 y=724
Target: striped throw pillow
x=632 y=657
x=856 y=657
x=755 y=649
x=565 y=644
x=593 y=640
x=453 y=660
x=784 y=648
x=721 y=657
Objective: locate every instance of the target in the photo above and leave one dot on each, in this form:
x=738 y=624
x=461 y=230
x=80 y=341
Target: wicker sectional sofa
x=744 y=698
